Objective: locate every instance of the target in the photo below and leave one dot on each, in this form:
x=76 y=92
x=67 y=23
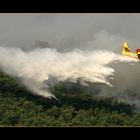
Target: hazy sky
x=67 y=32
x=70 y=30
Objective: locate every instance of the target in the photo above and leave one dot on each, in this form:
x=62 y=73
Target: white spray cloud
x=37 y=66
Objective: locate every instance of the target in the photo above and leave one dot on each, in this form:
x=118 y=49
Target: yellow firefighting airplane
x=127 y=51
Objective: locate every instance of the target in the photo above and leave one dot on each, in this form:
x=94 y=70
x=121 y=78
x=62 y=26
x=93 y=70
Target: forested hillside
x=19 y=107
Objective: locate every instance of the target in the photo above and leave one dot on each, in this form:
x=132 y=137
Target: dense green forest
x=19 y=107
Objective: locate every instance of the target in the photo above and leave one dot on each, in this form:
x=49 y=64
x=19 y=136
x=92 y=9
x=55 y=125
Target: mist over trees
x=19 y=107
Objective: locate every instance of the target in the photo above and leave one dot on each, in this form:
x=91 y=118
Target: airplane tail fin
x=125 y=48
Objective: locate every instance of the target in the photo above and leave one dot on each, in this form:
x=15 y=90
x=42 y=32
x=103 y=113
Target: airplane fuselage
x=130 y=54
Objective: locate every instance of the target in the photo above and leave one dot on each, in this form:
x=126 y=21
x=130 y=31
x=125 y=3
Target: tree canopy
x=19 y=107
